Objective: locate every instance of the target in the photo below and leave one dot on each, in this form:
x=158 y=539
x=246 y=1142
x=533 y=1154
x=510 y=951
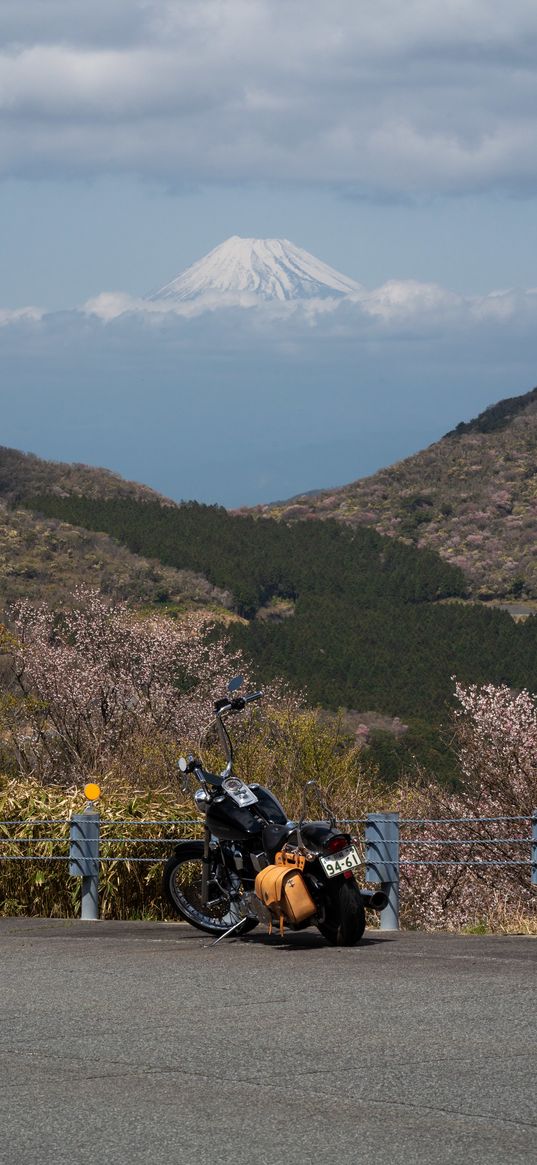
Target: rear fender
x=317 y=834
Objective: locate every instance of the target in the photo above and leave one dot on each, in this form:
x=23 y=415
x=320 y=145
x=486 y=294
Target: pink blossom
x=97 y=675
x=495 y=737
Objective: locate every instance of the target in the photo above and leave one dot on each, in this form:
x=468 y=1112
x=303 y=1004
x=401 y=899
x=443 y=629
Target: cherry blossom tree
x=496 y=732
x=495 y=736
x=96 y=678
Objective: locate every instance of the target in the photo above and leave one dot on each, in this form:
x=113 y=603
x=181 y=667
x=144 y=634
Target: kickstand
x=227 y=933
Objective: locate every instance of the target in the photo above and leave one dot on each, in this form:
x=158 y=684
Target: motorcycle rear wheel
x=181 y=886
x=344 y=921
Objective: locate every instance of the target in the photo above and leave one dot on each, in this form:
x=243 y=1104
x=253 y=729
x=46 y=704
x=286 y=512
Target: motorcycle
x=211 y=883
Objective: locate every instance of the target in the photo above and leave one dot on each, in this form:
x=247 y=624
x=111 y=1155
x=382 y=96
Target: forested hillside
x=355 y=618
x=45 y=559
x=472 y=497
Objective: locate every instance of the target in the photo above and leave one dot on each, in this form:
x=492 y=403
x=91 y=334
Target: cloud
x=385 y=97
x=393 y=309
x=19 y=314
x=110 y=305
x=31 y=22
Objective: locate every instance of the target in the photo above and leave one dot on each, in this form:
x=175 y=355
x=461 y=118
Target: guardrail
x=84 y=843
x=386 y=840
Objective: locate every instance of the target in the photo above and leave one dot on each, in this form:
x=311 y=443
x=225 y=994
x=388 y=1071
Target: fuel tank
x=269 y=805
x=230 y=823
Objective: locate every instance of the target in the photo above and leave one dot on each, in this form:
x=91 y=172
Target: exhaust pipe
x=374 y=899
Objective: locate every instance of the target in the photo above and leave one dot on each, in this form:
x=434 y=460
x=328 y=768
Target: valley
x=391 y=586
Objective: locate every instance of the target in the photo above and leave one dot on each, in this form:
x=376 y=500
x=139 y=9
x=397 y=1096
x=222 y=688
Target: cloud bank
x=383 y=98
x=396 y=307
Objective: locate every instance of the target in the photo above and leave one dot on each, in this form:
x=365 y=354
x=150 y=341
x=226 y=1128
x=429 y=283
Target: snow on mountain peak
x=247 y=270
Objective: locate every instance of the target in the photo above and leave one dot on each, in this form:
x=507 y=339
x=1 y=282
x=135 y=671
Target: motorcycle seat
x=314 y=834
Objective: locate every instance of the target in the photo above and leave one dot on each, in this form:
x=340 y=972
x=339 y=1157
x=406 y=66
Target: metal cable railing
x=11 y=839
x=86 y=841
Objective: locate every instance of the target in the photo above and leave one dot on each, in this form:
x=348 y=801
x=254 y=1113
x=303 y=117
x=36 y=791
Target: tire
x=181 y=887
x=344 y=921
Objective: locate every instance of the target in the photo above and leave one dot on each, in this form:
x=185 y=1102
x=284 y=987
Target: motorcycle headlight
x=202 y=799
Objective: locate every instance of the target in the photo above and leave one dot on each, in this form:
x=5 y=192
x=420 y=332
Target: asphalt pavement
x=134 y=1043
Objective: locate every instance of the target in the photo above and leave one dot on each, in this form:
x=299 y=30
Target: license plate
x=345 y=859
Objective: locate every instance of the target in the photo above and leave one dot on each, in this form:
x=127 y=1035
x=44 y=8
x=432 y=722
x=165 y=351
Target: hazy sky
x=398 y=142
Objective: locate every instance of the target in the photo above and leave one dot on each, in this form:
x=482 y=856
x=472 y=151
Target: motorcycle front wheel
x=344 y=916
x=181 y=885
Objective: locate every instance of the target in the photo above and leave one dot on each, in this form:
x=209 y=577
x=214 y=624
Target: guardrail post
x=382 y=862
x=534 y=848
x=84 y=859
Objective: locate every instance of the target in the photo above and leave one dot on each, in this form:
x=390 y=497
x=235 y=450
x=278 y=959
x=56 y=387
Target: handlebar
x=235 y=705
x=221 y=706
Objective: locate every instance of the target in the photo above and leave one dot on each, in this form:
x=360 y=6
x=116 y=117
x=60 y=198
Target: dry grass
x=128 y=889
x=504 y=921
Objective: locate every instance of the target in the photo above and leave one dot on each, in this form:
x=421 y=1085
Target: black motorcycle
x=210 y=883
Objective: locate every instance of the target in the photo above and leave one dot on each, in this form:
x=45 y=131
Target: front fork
x=234 y=879
x=205 y=863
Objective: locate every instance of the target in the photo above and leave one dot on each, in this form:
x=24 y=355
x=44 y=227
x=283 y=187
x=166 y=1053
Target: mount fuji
x=246 y=271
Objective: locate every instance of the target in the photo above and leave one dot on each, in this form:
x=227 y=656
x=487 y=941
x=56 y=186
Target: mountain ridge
x=23 y=473
x=471 y=496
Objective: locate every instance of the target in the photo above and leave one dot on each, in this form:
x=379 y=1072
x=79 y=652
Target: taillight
x=336 y=843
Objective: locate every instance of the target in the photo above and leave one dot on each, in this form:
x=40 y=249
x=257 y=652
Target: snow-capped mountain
x=246 y=270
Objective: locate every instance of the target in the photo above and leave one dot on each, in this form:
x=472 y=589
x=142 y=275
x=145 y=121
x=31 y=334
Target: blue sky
x=396 y=142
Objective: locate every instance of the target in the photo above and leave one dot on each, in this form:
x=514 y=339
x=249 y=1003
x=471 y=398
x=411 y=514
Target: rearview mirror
x=235 y=683
x=182 y=764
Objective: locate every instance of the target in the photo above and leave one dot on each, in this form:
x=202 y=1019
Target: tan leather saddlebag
x=282 y=889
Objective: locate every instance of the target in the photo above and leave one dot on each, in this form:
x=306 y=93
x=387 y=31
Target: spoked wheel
x=344 y=918
x=181 y=887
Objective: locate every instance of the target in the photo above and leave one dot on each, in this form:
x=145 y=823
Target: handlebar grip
x=254 y=696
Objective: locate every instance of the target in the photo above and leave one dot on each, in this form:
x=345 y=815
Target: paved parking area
x=131 y=1043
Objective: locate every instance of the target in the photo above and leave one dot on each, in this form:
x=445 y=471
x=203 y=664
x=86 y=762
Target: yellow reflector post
x=92 y=792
